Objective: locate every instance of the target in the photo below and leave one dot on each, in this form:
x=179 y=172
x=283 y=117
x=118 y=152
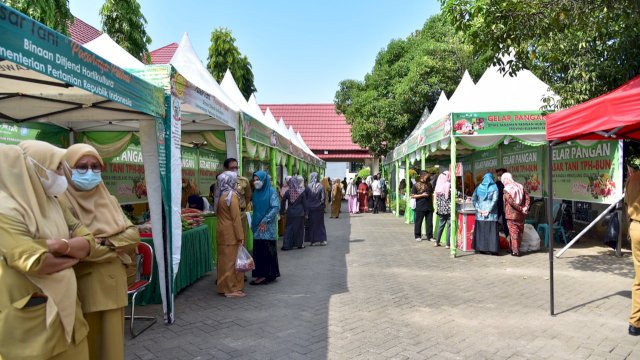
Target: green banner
x=31 y=45
x=11 y=133
x=210 y=166
x=483 y=162
x=124 y=176
x=590 y=173
x=525 y=165
x=499 y=123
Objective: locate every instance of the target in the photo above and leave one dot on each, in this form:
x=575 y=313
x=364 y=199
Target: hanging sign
x=588 y=171
x=499 y=123
x=124 y=176
x=524 y=164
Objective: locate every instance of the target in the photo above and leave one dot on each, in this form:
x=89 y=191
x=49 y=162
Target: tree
x=223 y=55
x=408 y=75
x=581 y=48
x=53 y=13
x=124 y=22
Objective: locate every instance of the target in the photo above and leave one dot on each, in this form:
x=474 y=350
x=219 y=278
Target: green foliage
x=408 y=76
x=223 y=55
x=403 y=205
x=364 y=172
x=580 y=48
x=124 y=22
x=53 y=13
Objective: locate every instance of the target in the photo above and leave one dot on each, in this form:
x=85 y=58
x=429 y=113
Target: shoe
x=237 y=294
x=634 y=331
x=436 y=245
x=301 y=247
x=418 y=239
x=324 y=243
x=432 y=240
x=447 y=247
x=264 y=281
x=518 y=255
x=284 y=249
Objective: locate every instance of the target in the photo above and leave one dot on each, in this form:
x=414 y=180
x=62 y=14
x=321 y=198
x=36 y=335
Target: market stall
x=46 y=77
x=612 y=116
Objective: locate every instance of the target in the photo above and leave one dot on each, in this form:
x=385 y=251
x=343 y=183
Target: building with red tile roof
x=326 y=133
x=81 y=32
x=164 y=54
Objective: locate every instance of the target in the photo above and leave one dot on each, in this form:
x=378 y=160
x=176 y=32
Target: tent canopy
x=56 y=80
x=615 y=115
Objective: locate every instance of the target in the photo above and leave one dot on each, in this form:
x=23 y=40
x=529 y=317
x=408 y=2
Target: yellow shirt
x=102 y=276
x=23 y=333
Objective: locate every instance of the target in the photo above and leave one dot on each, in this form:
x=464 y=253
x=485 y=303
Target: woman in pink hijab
x=516 y=208
x=443 y=206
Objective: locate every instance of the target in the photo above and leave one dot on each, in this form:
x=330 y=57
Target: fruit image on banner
x=588 y=171
x=522 y=161
x=124 y=176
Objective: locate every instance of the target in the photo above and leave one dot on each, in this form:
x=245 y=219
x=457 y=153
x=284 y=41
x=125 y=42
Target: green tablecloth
x=195 y=261
x=212 y=222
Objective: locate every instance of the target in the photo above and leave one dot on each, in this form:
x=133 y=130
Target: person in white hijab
x=40 y=314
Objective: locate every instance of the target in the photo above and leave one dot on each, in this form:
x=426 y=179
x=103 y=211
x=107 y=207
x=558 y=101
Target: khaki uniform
x=229 y=235
x=23 y=332
x=632 y=199
x=102 y=289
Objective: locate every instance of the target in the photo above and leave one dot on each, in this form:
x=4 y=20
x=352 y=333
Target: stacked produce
x=191 y=218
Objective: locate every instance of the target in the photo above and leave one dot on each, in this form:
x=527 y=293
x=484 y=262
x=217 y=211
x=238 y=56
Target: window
x=354 y=167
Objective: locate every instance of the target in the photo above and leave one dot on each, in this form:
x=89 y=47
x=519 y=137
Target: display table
x=212 y=221
x=466 y=224
x=195 y=261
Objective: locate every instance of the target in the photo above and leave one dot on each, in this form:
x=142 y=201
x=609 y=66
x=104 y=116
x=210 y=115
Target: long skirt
x=294 y=232
x=229 y=280
x=106 y=335
x=266 y=258
x=335 y=208
x=485 y=237
x=74 y=352
x=364 y=203
x=353 y=204
x=316 y=232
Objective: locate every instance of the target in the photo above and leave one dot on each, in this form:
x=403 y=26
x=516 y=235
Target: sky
x=299 y=50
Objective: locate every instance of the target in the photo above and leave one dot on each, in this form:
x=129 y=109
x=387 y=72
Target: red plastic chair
x=143 y=279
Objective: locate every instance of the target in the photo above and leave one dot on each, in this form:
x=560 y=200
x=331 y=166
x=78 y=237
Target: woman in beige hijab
x=40 y=315
x=102 y=277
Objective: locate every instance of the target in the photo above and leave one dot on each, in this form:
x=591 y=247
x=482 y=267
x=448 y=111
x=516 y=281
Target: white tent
x=104 y=46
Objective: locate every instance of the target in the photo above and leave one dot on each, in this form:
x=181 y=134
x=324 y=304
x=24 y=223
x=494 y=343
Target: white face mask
x=54 y=184
x=258 y=184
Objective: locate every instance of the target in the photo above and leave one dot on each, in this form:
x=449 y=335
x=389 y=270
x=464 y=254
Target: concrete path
x=375 y=293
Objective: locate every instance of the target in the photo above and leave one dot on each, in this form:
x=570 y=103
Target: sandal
x=236 y=294
x=264 y=281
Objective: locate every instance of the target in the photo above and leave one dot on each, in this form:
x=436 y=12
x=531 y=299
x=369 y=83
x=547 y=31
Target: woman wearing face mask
x=229 y=236
x=40 y=315
x=316 y=232
x=263 y=223
x=102 y=277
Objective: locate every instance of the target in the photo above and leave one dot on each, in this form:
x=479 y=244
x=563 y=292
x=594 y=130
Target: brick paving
x=375 y=293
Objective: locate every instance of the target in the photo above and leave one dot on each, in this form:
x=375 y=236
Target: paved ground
x=374 y=293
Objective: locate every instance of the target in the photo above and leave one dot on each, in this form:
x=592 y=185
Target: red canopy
x=615 y=115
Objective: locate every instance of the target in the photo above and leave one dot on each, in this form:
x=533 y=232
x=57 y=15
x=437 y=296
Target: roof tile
x=321 y=127
x=164 y=54
x=81 y=32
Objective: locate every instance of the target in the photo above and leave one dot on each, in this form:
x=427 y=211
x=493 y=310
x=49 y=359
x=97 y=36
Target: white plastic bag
x=412 y=203
x=244 y=261
x=530 y=239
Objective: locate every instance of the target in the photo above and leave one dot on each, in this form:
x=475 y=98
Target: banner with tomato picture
x=588 y=171
x=525 y=165
x=124 y=176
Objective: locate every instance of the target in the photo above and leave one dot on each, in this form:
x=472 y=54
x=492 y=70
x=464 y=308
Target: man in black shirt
x=422 y=191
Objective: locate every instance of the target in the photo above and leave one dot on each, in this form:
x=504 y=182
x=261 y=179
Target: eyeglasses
x=82 y=169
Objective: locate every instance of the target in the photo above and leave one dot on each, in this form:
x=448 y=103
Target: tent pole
x=240 y=146
x=423 y=165
x=453 y=243
x=550 y=224
x=408 y=210
x=397 y=188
